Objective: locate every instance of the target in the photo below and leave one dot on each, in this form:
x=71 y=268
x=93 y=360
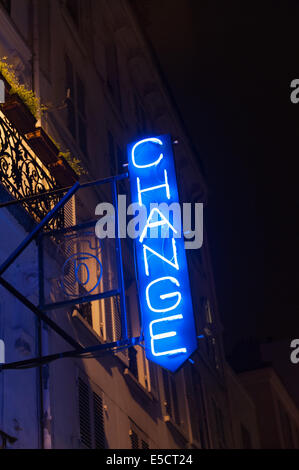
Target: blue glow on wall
x=163 y=280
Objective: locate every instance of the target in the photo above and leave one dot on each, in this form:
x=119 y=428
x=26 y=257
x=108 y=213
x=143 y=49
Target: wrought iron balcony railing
x=23 y=174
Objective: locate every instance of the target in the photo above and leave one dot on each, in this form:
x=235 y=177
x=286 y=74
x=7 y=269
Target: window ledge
x=96 y=337
x=171 y=423
x=66 y=137
x=6 y=438
x=79 y=318
x=132 y=378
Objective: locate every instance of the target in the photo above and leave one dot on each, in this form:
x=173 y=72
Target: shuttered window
x=138 y=438
x=133 y=366
x=134 y=440
x=246 y=437
x=73 y=8
x=144 y=445
x=153 y=378
x=111 y=307
x=91 y=416
x=84 y=414
x=99 y=429
x=117 y=317
x=172 y=405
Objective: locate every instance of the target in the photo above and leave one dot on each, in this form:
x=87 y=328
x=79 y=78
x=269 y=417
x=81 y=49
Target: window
x=98 y=419
x=84 y=414
x=153 y=378
x=107 y=321
x=134 y=440
x=175 y=400
x=91 y=416
x=140 y=116
x=212 y=351
x=45 y=36
x=112 y=72
x=112 y=319
x=138 y=438
x=116 y=155
x=286 y=427
x=199 y=421
x=6 y=440
x=85 y=310
x=208 y=312
x=133 y=367
x=167 y=401
x=111 y=151
x=7 y=5
x=210 y=338
x=171 y=397
x=144 y=445
x=76 y=114
x=219 y=421
x=120 y=160
x=140 y=369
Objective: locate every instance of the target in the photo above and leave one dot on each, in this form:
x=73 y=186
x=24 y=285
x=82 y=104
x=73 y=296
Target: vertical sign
x=163 y=281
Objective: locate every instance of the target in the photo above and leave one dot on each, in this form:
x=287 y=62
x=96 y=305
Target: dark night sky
x=229 y=66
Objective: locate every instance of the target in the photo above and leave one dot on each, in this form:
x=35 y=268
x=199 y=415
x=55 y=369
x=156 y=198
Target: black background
x=229 y=66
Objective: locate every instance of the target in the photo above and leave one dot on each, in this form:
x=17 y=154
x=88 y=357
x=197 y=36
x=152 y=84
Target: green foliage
x=27 y=96
x=74 y=162
x=30 y=99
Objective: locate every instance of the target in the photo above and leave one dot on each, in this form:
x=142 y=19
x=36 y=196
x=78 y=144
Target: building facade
x=277 y=414
x=92 y=70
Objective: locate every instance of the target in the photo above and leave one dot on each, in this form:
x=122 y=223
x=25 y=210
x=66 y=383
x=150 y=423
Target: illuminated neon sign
x=163 y=281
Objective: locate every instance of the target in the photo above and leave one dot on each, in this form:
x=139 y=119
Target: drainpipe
x=43 y=391
x=36 y=89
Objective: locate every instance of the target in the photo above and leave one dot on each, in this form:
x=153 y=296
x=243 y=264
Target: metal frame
x=40 y=310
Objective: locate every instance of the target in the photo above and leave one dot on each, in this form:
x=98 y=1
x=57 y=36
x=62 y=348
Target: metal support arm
x=105 y=347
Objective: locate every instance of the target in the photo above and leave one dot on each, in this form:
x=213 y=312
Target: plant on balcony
x=74 y=162
x=41 y=142
x=28 y=96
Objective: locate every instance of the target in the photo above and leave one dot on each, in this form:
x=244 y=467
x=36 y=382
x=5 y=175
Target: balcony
x=30 y=165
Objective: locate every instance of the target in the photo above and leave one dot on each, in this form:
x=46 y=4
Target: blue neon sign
x=163 y=281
